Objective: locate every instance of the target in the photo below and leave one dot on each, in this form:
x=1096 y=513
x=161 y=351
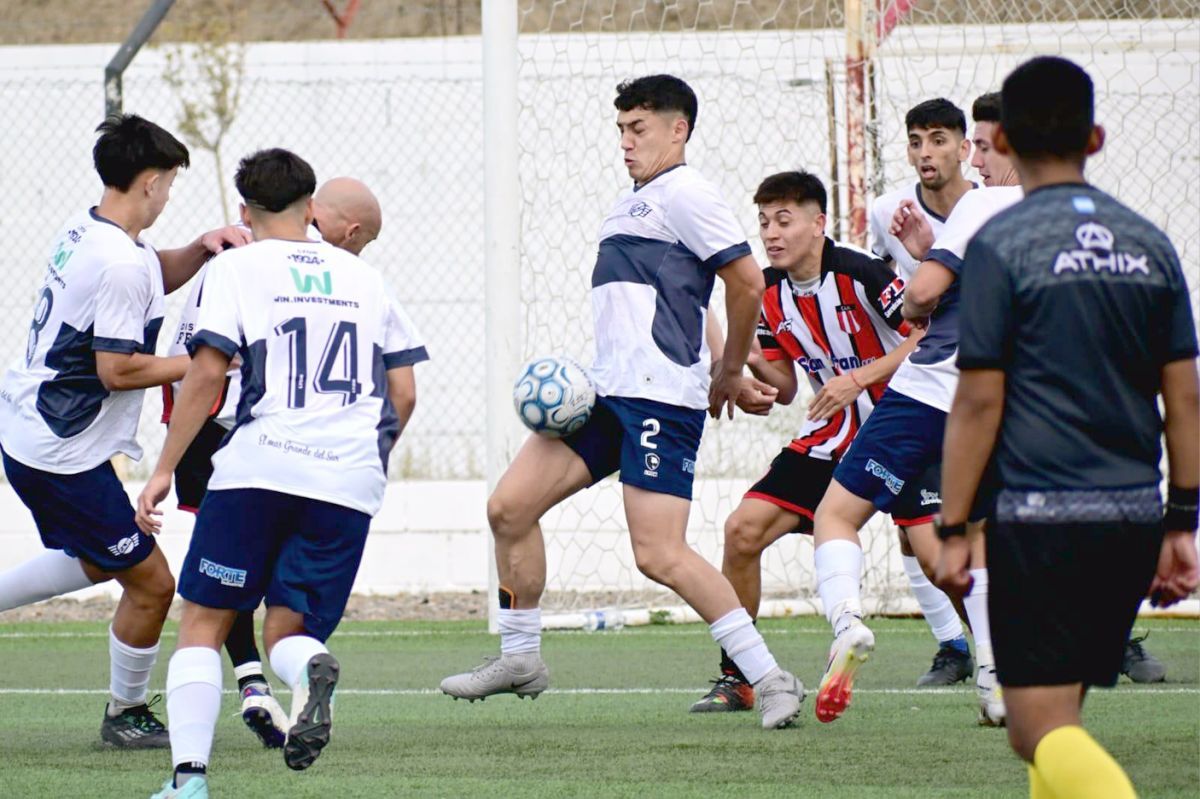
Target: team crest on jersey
x=847 y=321
x=652 y=464
x=640 y=209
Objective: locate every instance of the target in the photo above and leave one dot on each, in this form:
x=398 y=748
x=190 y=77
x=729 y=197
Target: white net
x=772 y=84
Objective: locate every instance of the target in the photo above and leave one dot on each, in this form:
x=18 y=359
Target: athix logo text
x=306 y=283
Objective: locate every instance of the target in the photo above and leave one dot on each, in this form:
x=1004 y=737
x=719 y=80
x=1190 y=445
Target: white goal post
x=771 y=98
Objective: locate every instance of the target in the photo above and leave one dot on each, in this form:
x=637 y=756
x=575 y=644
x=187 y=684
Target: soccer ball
x=554 y=396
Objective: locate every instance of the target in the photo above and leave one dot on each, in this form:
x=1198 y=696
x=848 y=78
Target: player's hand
x=723 y=392
x=223 y=238
x=953 y=574
x=148 y=517
x=911 y=227
x=833 y=396
x=756 y=397
x=919 y=323
x=1178 y=573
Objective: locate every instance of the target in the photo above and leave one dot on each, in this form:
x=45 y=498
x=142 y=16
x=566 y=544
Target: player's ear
x=964 y=150
x=1095 y=140
x=308 y=212
x=681 y=129
x=819 y=223
x=150 y=180
x=244 y=215
x=1000 y=141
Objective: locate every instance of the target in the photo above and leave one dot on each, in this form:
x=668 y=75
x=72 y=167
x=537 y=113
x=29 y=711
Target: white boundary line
x=959 y=692
x=681 y=630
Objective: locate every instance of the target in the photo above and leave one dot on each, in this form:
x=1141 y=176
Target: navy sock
x=959 y=643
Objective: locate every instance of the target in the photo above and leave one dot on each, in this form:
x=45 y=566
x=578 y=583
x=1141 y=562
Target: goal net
x=776 y=84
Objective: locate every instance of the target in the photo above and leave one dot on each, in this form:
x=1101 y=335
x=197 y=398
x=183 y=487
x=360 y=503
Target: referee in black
x=1075 y=317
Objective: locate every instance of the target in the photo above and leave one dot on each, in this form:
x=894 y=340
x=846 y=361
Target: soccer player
x=937 y=148
x=665 y=241
x=1066 y=402
x=327 y=385
x=900 y=442
x=350 y=214
x=73 y=400
x=835 y=311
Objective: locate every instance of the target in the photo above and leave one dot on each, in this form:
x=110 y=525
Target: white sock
x=938 y=609
x=130 y=673
x=193 y=702
x=839 y=573
x=290 y=658
x=251 y=668
x=736 y=634
x=520 y=631
x=977 y=614
x=50 y=574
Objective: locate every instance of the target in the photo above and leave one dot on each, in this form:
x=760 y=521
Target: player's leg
x=918 y=503
x=259 y=706
x=657 y=528
x=545 y=472
x=194 y=697
x=310 y=585
x=987 y=687
x=753 y=526
x=227 y=569
x=901 y=439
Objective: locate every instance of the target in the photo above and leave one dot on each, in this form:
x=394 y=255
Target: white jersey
x=102 y=292
x=887 y=246
x=225 y=410
x=929 y=374
x=660 y=248
x=317 y=331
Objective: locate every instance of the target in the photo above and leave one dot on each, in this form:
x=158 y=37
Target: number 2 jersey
x=102 y=292
x=847 y=317
x=316 y=330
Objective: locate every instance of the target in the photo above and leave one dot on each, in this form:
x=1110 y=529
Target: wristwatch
x=947 y=531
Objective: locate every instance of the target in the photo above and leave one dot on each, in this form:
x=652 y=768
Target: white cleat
x=991 y=700
x=524 y=675
x=779 y=697
x=849 y=651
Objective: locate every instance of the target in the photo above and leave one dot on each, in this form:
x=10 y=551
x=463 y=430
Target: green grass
x=402 y=742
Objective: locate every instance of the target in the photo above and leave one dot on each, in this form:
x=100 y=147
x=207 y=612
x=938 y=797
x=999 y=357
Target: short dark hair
x=986 y=107
x=658 y=93
x=271 y=180
x=936 y=113
x=1047 y=108
x=129 y=145
x=798 y=187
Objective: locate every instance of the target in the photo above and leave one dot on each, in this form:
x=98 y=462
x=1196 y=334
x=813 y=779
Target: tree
x=205 y=71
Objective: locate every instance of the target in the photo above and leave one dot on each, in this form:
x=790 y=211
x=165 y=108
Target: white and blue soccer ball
x=554 y=396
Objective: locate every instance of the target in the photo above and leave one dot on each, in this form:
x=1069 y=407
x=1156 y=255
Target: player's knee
x=656 y=563
x=505 y=516
x=1021 y=743
x=743 y=537
x=153 y=593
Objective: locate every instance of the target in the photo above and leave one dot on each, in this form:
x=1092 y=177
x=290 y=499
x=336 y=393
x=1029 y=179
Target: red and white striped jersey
x=849 y=318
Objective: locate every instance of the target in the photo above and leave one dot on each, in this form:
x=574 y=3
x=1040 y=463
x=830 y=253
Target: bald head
x=347 y=214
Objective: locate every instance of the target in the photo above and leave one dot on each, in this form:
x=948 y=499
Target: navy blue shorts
x=300 y=553
x=653 y=444
x=87 y=515
x=901 y=440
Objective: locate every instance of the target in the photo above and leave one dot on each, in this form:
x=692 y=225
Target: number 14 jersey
x=316 y=330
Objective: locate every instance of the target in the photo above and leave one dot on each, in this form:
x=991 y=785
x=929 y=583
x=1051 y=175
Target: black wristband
x=1183 y=509
x=947 y=531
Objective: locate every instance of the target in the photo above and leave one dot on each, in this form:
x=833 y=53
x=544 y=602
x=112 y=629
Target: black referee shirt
x=1081 y=302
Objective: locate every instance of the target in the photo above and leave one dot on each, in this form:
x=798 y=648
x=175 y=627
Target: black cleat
x=728 y=695
x=1139 y=665
x=312 y=713
x=950 y=666
x=135 y=728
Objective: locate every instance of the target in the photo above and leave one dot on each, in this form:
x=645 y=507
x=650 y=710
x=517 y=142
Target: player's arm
x=201 y=386
x=929 y=283
x=755 y=396
x=181 y=264
x=743 y=298
x=845 y=388
x=1178 y=573
x=973 y=426
x=911 y=228
x=125 y=371
x=402 y=391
